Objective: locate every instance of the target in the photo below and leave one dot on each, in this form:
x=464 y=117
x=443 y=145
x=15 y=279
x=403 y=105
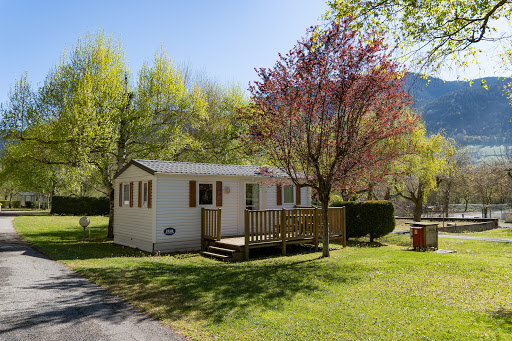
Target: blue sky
x=225 y=39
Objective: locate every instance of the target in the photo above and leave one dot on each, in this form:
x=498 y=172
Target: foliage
x=10 y=204
x=328 y=112
x=87 y=115
x=373 y=218
x=421 y=171
x=431 y=33
x=80 y=205
x=369 y=293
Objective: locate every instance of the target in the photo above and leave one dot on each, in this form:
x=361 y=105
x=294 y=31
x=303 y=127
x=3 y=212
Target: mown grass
x=505 y=233
x=366 y=291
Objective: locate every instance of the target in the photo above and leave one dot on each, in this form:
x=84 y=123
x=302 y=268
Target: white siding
x=172 y=202
x=133 y=225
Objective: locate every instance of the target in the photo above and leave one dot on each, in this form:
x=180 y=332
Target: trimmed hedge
x=80 y=205
x=374 y=218
x=15 y=204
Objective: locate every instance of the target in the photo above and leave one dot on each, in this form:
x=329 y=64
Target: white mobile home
x=158 y=203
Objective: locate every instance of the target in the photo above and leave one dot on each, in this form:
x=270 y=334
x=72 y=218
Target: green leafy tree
x=432 y=33
x=421 y=171
x=87 y=113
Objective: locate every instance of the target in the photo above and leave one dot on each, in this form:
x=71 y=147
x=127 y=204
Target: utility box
x=424 y=236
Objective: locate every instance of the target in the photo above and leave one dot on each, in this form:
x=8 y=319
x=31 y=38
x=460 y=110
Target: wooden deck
x=269 y=228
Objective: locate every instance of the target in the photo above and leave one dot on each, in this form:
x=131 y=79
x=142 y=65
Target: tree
x=489 y=183
x=421 y=171
x=432 y=32
x=326 y=111
x=87 y=113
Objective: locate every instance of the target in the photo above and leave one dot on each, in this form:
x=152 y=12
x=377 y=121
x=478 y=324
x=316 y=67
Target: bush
x=30 y=204
x=80 y=205
x=374 y=218
x=15 y=204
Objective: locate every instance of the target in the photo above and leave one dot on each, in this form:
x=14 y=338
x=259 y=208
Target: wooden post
x=344 y=227
x=202 y=229
x=283 y=231
x=246 y=248
x=218 y=223
x=315 y=228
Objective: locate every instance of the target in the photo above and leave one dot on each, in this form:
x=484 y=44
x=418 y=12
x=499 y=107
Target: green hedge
x=15 y=204
x=80 y=205
x=374 y=218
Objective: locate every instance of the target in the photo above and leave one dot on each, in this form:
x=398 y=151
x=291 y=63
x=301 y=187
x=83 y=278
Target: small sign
x=169 y=231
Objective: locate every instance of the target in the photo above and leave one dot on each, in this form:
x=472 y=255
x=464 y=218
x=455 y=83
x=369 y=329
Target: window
x=288 y=194
x=126 y=194
x=145 y=194
x=205 y=194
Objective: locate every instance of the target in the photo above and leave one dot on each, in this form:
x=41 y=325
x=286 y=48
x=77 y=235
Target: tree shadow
x=215 y=290
x=79 y=301
x=503 y=317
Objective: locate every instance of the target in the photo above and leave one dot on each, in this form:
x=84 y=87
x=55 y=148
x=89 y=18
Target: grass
x=504 y=233
x=363 y=292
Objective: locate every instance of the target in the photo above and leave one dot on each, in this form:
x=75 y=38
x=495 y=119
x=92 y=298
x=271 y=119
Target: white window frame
x=259 y=194
x=293 y=194
x=199 y=183
x=126 y=198
x=145 y=193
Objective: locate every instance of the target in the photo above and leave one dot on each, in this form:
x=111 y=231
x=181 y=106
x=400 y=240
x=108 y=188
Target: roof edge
x=135 y=163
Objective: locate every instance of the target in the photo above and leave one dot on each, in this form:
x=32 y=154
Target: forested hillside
x=472 y=115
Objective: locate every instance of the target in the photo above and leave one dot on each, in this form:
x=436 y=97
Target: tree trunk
x=110 y=233
x=325 y=226
x=387 y=196
x=418 y=209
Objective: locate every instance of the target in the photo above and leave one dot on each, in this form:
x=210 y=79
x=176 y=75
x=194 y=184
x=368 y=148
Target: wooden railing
x=210 y=224
x=288 y=226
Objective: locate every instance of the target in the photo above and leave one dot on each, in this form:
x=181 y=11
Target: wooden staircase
x=224 y=252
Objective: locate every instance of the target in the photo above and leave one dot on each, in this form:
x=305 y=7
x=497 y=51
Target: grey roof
x=174 y=167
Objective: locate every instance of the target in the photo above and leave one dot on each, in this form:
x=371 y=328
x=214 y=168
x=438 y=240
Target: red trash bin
x=418 y=239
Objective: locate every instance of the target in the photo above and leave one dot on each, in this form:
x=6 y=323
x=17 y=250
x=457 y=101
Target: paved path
x=43 y=300
x=499 y=240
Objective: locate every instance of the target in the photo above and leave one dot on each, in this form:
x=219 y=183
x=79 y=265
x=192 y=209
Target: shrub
x=15 y=204
x=79 y=205
x=374 y=218
x=30 y=204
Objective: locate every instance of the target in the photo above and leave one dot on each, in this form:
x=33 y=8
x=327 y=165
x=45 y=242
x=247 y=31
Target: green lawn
x=505 y=233
x=362 y=292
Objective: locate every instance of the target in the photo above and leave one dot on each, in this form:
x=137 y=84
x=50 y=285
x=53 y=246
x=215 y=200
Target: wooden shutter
x=131 y=194
x=192 y=202
x=279 y=191
x=120 y=195
x=150 y=193
x=218 y=192
x=297 y=195
x=139 y=198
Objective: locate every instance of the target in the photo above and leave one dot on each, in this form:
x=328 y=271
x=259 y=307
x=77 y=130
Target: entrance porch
x=269 y=228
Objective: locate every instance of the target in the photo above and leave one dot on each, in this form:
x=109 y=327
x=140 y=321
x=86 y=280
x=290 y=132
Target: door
x=252 y=196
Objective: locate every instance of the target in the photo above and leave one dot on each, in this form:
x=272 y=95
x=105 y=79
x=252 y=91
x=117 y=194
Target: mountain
x=470 y=114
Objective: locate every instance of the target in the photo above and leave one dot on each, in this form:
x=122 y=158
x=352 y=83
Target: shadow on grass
x=503 y=317
x=215 y=290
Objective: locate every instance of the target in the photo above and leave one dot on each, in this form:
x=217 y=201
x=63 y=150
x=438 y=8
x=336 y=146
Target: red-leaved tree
x=330 y=112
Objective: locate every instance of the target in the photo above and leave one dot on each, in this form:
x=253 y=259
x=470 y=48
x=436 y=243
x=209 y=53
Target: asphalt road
x=43 y=300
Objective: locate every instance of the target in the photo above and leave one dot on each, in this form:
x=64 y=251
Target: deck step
x=215 y=255
x=221 y=249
